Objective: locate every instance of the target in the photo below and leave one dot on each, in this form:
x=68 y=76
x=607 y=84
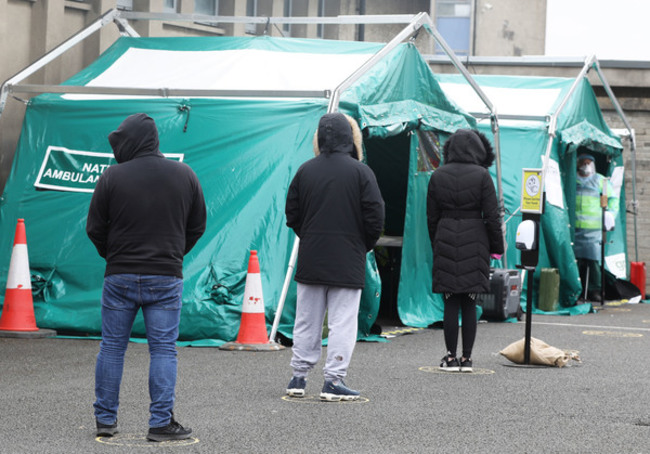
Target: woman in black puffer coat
x=465 y=229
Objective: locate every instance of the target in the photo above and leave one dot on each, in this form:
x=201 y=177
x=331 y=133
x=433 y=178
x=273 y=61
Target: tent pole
x=592 y=62
x=110 y=16
x=502 y=205
x=333 y=106
x=431 y=29
x=330 y=20
x=411 y=29
x=622 y=116
x=285 y=289
x=635 y=202
x=583 y=73
x=552 y=121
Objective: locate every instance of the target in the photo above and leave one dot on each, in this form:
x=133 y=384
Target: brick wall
x=640 y=122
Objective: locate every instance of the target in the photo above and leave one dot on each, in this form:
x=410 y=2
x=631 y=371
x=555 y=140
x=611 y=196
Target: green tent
x=544 y=123
x=245 y=144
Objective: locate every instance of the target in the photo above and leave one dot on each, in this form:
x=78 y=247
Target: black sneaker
x=296 y=387
x=106 y=430
x=172 y=431
x=449 y=364
x=466 y=365
x=335 y=391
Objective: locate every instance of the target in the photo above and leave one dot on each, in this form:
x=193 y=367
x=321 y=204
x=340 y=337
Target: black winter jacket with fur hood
x=335 y=207
x=463 y=216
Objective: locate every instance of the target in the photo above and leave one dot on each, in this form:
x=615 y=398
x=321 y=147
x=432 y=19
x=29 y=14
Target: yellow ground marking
x=436 y=370
x=398 y=331
x=605 y=327
x=316 y=400
x=611 y=334
x=139 y=440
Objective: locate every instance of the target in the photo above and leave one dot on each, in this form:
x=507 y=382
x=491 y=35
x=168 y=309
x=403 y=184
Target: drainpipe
x=362 y=28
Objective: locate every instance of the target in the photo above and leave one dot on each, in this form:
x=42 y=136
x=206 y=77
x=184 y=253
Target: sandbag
x=540 y=353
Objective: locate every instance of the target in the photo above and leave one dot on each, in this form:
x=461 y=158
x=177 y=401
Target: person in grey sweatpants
x=335 y=207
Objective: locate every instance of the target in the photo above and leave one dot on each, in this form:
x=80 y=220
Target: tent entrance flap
x=396 y=161
x=389 y=160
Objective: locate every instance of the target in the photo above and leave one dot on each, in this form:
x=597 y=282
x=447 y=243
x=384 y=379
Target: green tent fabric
x=245 y=150
x=586 y=135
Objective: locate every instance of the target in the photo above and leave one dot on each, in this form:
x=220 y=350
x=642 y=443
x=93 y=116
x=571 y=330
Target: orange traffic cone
x=17 y=318
x=252 y=329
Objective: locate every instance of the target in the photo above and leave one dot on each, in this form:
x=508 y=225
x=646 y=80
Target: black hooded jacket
x=147 y=211
x=463 y=215
x=335 y=207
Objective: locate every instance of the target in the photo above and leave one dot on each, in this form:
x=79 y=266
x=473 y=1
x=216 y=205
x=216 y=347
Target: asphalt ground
x=235 y=402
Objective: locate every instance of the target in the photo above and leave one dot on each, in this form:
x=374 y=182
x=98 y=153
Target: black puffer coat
x=463 y=216
x=335 y=207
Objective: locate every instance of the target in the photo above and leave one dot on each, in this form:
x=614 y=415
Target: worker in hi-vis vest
x=589 y=224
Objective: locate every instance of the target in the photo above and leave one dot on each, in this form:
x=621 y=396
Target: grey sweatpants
x=342 y=306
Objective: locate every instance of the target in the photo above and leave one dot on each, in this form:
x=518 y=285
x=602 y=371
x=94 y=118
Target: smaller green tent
x=544 y=123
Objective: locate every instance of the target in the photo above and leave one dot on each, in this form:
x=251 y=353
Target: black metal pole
x=603 y=240
x=602 y=260
x=529 y=312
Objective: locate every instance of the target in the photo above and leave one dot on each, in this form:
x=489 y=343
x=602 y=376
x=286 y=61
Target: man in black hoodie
x=335 y=207
x=146 y=213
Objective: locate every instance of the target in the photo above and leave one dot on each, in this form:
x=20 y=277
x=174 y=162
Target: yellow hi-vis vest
x=588 y=211
x=588 y=233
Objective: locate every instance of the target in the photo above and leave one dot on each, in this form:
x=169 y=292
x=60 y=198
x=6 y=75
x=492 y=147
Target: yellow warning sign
x=531 y=191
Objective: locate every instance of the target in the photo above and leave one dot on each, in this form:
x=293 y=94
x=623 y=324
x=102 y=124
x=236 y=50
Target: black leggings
x=454 y=302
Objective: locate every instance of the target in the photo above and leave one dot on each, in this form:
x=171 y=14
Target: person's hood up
x=338 y=133
x=585 y=156
x=136 y=136
x=470 y=147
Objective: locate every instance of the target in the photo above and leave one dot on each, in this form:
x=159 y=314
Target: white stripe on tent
x=538 y=101
x=247 y=69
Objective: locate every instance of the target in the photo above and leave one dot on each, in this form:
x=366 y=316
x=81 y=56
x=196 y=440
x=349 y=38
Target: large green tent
x=244 y=146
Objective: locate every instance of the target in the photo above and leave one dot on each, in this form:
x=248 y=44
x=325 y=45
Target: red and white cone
x=18 y=308
x=252 y=329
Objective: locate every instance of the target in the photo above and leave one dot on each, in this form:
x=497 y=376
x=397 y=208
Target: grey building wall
x=638 y=250
x=509 y=27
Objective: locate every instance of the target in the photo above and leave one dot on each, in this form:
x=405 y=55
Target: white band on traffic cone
x=19 y=276
x=253 y=296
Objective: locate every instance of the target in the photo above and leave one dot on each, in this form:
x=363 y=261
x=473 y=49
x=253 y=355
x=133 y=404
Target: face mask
x=587 y=169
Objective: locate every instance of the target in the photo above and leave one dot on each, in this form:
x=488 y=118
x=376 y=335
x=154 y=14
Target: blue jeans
x=160 y=299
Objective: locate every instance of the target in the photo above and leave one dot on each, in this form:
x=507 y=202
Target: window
x=125 y=4
x=251 y=11
x=286 y=28
x=320 y=28
x=429 y=150
x=170 y=6
x=251 y=8
x=453 y=21
x=207 y=7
